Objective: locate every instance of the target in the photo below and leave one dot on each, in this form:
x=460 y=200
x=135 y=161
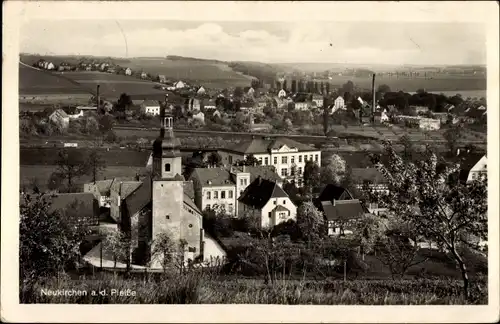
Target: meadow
x=33 y=81
x=200 y=288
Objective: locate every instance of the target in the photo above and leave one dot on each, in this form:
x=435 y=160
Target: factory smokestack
x=98 y=97
x=374 y=104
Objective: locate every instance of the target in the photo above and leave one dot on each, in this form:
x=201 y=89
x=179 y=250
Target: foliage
x=452 y=135
x=163 y=249
x=70 y=166
x=448 y=212
x=334 y=170
x=123 y=104
x=115 y=241
x=214 y=159
x=55 y=181
x=311 y=176
x=310 y=221
x=49 y=241
x=95 y=163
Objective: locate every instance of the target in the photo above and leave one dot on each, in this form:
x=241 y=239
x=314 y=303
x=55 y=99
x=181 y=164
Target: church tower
x=167 y=184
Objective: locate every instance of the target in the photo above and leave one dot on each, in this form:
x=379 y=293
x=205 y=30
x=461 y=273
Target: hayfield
x=33 y=81
x=439 y=84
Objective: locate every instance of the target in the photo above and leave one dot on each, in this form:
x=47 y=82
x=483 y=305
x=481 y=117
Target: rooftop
x=342 y=210
x=258 y=193
x=261 y=145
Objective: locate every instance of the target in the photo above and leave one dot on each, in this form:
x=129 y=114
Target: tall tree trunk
x=463 y=269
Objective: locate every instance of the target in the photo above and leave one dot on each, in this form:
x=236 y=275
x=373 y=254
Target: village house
x=339 y=103
x=144 y=75
x=150 y=107
x=159 y=204
x=85 y=203
x=380 y=116
x=180 y=85
x=282 y=93
x=474 y=115
x=373 y=180
x=420 y=122
x=193 y=104
x=261 y=103
x=318 y=100
x=305 y=105
x=60 y=117
x=218 y=188
x=472 y=165
x=128 y=71
x=340 y=209
x=201 y=91
x=268 y=202
x=287 y=156
x=420 y=109
x=199 y=116
x=251 y=92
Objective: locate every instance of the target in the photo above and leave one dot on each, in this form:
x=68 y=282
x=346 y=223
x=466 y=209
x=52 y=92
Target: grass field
x=32 y=81
x=41 y=174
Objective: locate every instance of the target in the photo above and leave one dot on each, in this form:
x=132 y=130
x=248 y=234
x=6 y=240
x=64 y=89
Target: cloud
x=299 y=42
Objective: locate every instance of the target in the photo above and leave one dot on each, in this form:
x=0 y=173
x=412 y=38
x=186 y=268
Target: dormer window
x=167 y=167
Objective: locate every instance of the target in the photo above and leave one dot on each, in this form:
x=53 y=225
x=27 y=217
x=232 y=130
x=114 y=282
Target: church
x=158 y=204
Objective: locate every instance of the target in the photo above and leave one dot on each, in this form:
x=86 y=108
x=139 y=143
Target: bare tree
x=95 y=163
x=70 y=165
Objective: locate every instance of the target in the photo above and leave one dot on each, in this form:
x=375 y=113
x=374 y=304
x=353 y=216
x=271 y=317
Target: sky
x=422 y=43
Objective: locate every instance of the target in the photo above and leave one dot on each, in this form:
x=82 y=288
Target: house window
x=216 y=195
x=316 y=158
x=192 y=249
x=284 y=160
x=260 y=161
x=284 y=202
x=300 y=170
x=245 y=181
x=284 y=172
x=282 y=215
x=167 y=216
x=241 y=182
x=208 y=207
x=209 y=195
x=230 y=159
x=223 y=194
x=190 y=225
x=269 y=214
x=292 y=160
x=167 y=167
x=241 y=192
x=266 y=161
x=275 y=202
x=310 y=157
x=275 y=160
x=230 y=194
x=231 y=208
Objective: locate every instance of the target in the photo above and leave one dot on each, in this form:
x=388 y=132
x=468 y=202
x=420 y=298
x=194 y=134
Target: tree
x=310 y=221
x=451 y=213
x=214 y=159
x=348 y=87
x=238 y=92
x=397 y=248
x=294 y=86
x=452 y=136
x=115 y=241
x=55 y=181
x=106 y=123
x=287 y=124
x=383 y=88
x=250 y=160
x=334 y=170
x=49 y=240
x=70 y=165
x=326 y=117
x=95 y=163
x=163 y=250
x=408 y=147
x=311 y=176
x=124 y=103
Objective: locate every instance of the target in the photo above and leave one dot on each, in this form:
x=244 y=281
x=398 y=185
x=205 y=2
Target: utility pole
x=374 y=105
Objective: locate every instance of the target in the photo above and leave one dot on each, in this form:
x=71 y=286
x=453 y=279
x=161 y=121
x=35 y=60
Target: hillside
x=34 y=81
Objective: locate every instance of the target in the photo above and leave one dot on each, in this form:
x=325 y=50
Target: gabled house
x=380 y=116
x=60 y=117
x=472 y=165
x=128 y=71
x=282 y=93
x=318 y=100
x=199 y=116
x=162 y=78
x=304 y=105
x=268 y=202
x=339 y=103
x=209 y=104
x=144 y=75
x=180 y=85
x=219 y=188
x=193 y=104
x=251 y=92
x=339 y=208
x=201 y=91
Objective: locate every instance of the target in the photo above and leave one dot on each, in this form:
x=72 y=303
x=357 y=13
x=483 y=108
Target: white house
x=60 y=117
x=201 y=91
x=180 y=85
x=251 y=91
x=150 y=107
x=269 y=202
x=318 y=100
x=144 y=75
x=219 y=188
x=302 y=105
x=128 y=71
x=472 y=165
x=209 y=105
x=287 y=156
x=199 y=116
x=282 y=93
x=339 y=103
x=381 y=116
x=78 y=114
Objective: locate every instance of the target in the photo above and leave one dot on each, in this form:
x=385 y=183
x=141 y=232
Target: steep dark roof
x=213 y=177
x=258 y=193
x=189 y=189
x=139 y=198
x=373 y=175
x=261 y=145
x=87 y=206
x=342 y=210
x=332 y=192
x=264 y=171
